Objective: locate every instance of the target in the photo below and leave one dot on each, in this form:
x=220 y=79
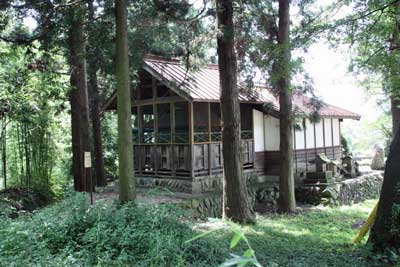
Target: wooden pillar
x=140 y=130
x=154 y=150
x=294 y=148
x=191 y=138
x=333 y=146
x=154 y=87
x=172 y=139
x=305 y=143
x=340 y=138
x=209 y=137
x=315 y=140
x=323 y=135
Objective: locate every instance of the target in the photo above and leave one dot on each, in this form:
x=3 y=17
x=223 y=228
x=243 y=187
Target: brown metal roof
x=203 y=85
x=200 y=85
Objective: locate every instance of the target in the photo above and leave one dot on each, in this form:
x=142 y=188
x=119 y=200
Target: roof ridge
x=152 y=57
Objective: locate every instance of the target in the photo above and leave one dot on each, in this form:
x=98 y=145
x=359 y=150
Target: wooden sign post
x=88 y=166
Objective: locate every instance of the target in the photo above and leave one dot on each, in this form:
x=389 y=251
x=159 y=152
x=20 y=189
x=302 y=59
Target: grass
x=316 y=238
x=71 y=233
x=319 y=238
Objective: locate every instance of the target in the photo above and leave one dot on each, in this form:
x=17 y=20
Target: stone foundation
x=177 y=185
x=210 y=204
x=199 y=184
x=204 y=194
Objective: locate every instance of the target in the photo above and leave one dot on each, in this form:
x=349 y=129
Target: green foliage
x=72 y=233
x=248 y=256
x=345 y=145
x=362 y=137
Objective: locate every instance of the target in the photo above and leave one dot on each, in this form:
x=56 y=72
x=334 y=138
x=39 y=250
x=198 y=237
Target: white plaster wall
x=309 y=134
x=299 y=134
x=266 y=133
x=258 y=122
x=336 y=133
x=271 y=133
x=319 y=133
x=328 y=132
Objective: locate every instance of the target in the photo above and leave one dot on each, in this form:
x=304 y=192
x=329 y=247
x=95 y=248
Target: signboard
x=88 y=160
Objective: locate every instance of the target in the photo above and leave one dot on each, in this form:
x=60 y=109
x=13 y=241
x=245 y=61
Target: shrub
x=72 y=233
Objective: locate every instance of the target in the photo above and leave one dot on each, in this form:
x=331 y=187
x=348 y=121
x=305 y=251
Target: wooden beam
x=159 y=100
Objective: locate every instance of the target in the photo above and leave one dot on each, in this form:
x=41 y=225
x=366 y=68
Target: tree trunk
x=125 y=146
x=287 y=201
x=79 y=100
x=100 y=178
x=236 y=206
x=393 y=79
x=4 y=150
x=385 y=231
x=395 y=109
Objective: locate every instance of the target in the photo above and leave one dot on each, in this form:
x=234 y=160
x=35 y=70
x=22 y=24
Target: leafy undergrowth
x=71 y=233
x=15 y=200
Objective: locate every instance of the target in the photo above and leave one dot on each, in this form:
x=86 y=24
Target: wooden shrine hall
x=176 y=126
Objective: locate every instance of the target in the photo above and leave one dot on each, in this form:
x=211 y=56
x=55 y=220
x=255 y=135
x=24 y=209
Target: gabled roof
x=203 y=85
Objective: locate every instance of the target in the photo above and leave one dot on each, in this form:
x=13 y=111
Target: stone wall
x=347 y=192
x=351 y=191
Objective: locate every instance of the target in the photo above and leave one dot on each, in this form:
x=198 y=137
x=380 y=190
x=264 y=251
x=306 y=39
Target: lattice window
x=181 y=123
x=215 y=122
x=164 y=123
x=148 y=135
x=200 y=122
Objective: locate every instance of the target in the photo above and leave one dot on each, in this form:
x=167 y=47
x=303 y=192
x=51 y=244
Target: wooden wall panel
x=268 y=161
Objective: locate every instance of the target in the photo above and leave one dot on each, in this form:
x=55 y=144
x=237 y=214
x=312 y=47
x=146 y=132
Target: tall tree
x=125 y=146
x=287 y=201
x=78 y=98
x=93 y=67
x=385 y=231
x=236 y=203
x=379 y=57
